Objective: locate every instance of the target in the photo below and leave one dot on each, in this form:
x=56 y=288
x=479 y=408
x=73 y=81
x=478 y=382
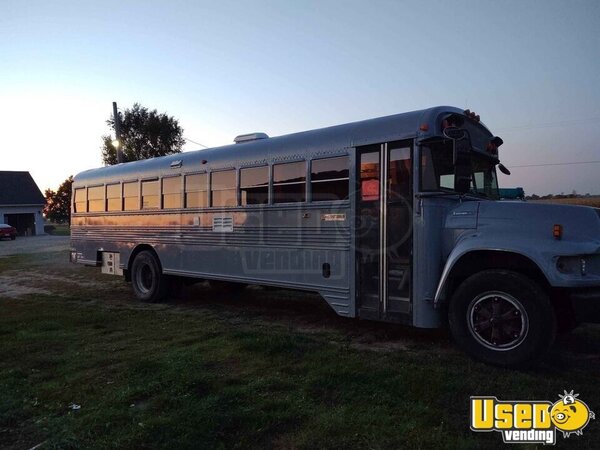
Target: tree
x=58 y=204
x=144 y=134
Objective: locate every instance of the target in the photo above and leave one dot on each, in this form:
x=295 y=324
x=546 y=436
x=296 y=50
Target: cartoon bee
x=570 y=415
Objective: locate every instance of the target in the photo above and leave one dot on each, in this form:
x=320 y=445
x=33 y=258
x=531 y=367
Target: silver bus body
x=390 y=250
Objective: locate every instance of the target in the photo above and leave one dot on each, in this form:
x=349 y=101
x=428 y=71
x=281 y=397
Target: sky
x=530 y=69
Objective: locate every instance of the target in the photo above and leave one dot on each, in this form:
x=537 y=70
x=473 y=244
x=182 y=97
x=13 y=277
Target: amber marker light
x=424 y=127
x=557 y=231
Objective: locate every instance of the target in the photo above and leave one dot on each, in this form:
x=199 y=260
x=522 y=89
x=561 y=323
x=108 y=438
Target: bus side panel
x=427 y=262
x=296 y=246
x=301 y=248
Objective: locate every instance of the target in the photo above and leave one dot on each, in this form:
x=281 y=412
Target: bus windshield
x=437 y=171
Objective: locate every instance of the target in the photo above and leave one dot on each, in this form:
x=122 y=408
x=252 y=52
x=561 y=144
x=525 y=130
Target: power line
x=556 y=164
x=194 y=142
x=563 y=123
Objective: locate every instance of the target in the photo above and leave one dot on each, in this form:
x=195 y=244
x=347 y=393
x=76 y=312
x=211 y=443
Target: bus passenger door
x=384 y=231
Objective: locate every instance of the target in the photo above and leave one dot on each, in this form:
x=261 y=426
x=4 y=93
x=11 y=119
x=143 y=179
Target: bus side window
x=95 y=197
x=223 y=188
x=289 y=182
x=171 y=192
x=369 y=176
x=399 y=174
x=196 y=194
x=80 y=200
x=329 y=179
x=254 y=185
x=150 y=195
x=131 y=198
x=113 y=197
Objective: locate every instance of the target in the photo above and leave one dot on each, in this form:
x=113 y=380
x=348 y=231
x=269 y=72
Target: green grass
x=263 y=370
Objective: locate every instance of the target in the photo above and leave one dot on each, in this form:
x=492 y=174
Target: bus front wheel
x=502 y=318
x=149 y=284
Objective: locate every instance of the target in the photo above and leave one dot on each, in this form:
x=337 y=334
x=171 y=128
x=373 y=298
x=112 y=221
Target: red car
x=6 y=231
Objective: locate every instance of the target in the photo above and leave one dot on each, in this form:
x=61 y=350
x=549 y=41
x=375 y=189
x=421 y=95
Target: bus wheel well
x=477 y=261
x=134 y=253
x=480 y=260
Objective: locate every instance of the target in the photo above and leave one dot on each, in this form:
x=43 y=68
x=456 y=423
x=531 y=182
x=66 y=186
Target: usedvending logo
x=526 y=422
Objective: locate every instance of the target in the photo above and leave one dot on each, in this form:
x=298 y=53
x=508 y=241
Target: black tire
x=147 y=280
x=12 y=238
x=502 y=318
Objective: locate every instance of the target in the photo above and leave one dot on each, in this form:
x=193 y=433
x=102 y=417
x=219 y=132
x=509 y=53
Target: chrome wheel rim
x=144 y=278
x=498 y=321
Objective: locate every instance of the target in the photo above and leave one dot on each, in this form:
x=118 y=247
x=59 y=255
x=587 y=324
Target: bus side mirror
x=503 y=169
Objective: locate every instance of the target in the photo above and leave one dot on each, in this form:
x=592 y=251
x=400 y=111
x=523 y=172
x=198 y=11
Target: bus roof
x=290 y=147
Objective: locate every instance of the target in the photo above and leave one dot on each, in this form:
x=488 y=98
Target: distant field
x=583 y=201
x=59 y=230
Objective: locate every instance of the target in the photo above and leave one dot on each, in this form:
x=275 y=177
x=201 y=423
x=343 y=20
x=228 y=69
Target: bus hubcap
x=497 y=320
x=145 y=278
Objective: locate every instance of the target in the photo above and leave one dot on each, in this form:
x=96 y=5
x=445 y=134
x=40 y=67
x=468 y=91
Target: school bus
x=393 y=219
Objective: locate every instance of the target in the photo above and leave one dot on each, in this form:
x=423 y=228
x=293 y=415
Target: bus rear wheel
x=502 y=318
x=147 y=280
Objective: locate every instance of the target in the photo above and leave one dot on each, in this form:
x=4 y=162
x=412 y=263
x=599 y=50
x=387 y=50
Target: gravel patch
x=34 y=244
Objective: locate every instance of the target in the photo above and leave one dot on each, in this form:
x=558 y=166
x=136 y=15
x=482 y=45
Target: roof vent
x=250 y=137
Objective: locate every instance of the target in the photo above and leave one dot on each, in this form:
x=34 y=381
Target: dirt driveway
x=34 y=244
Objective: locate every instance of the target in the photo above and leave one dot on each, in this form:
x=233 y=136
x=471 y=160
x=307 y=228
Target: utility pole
x=118 y=134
